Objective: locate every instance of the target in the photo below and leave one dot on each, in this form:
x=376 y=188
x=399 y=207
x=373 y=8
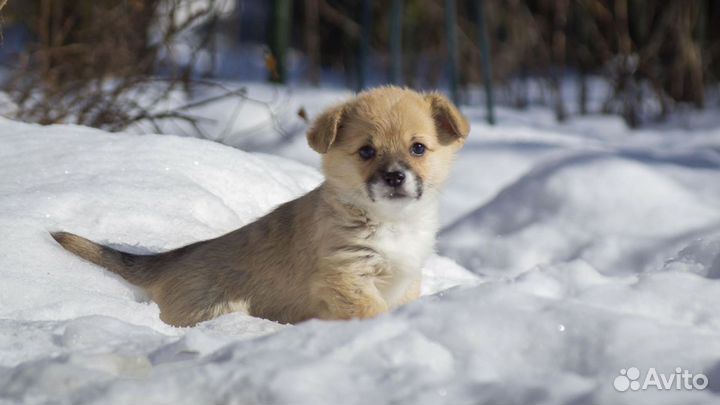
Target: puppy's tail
x=134 y=268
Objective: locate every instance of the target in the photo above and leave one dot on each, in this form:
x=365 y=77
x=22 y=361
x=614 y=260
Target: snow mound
x=141 y=193
x=619 y=214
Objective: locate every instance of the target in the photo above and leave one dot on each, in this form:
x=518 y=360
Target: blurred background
x=87 y=61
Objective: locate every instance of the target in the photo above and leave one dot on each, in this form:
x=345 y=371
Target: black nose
x=394 y=179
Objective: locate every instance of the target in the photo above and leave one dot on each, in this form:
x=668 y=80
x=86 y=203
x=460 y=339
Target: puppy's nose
x=394 y=179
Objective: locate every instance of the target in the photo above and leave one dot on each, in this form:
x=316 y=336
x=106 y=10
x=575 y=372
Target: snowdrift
x=619 y=214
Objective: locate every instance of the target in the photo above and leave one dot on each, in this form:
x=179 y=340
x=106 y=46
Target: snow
x=568 y=252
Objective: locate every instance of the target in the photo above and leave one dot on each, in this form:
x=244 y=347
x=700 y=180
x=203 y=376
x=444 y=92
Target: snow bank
x=624 y=202
x=144 y=193
x=595 y=251
x=616 y=213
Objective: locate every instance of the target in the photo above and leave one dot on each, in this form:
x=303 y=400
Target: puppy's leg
x=348 y=293
x=348 y=302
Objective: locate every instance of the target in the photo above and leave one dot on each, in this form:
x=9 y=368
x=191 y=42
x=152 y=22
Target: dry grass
x=93 y=59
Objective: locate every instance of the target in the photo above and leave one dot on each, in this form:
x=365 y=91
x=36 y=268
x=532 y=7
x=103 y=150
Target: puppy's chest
x=392 y=252
x=403 y=247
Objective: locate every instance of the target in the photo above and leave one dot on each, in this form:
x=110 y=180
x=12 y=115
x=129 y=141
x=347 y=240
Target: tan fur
x=332 y=253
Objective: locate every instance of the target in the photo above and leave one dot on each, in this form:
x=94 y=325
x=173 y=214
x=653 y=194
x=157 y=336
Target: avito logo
x=629 y=379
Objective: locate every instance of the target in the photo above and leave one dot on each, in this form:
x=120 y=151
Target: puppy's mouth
x=396 y=195
x=383 y=186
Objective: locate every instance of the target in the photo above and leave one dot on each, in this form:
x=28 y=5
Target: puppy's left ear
x=325 y=128
x=448 y=119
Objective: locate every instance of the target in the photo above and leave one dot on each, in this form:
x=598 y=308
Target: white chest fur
x=405 y=241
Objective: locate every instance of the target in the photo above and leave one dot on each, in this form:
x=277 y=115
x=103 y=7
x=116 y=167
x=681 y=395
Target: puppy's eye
x=417 y=149
x=367 y=152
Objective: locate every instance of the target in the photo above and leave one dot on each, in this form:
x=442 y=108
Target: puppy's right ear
x=325 y=128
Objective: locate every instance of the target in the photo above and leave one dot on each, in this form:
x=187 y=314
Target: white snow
x=568 y=252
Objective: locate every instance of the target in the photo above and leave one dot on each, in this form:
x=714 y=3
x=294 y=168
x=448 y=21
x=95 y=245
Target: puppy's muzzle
x=395 y=181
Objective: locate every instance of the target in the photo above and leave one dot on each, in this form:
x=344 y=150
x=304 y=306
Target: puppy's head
x=389 y=144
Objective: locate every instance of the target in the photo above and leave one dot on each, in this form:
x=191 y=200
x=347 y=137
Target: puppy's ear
x=325 y=128
x=448 y=119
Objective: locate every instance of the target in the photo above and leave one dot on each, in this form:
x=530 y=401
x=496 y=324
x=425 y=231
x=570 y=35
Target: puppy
x=351 y=248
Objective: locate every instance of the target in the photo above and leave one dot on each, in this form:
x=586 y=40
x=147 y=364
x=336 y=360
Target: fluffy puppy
x=351 y=248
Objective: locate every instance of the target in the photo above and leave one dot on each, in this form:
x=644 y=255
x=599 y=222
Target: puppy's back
x=263 y=268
